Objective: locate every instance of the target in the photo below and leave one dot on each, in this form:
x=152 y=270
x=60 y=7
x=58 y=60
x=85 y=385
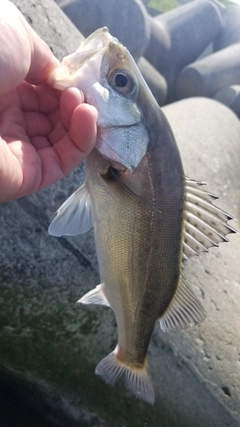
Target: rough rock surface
x=230 y=31
x=154 y=79
x=50 y=345
x=230 y=96
x=178 y=37
x=208 y=137
x=207 y=75
x=119 y=17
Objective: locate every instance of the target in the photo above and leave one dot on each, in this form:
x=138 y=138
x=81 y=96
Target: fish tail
x=137 y=379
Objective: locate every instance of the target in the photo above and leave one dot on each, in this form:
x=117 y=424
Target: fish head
x=104 y=70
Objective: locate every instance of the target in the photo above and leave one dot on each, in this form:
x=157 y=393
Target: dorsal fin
x=205 y=224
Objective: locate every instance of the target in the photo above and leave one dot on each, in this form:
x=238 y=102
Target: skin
x=45 y=133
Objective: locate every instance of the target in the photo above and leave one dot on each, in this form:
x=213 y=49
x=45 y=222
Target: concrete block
x=229 y=34
x=126 y=20
x=178 y=37
x=50 y=345
x=154 y=79
x=206 y=76
x=230 y=96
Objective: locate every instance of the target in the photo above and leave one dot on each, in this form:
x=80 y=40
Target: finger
x=72 y=149
x=13 y=41
x=38 y=98
x=83 y=127
x=70 y=99
x=43 y=61
x=16 y=37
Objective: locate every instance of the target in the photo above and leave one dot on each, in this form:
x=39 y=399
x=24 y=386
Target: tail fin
x=137 y=379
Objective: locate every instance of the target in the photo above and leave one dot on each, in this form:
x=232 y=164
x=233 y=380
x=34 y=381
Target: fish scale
x=148 y=217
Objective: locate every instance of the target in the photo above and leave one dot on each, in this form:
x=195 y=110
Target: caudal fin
x=137 y=380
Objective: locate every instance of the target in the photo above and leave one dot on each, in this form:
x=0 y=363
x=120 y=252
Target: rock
x=57 y=35
x=50 y=345
x=154 y=79
x=208 y=137
x=230 y=31
x=119 y=17
x=206 y=76
x=230 y=96
x=178 y=37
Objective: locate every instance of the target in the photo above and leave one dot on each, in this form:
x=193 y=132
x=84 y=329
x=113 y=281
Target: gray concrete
x=206 y=76
x=50 y=345
x=230 y=32
x=126 y=20
x=208 y=137
x=154 y=79
x=230 y=96
x=178 y=37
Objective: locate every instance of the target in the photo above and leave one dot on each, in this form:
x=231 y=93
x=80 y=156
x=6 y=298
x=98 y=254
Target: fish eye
x=122 y=81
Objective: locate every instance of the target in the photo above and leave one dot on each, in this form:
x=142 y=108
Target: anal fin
x=184 y=311
x=95 y=296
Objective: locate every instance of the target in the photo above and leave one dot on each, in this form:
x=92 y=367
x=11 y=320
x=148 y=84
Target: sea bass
x=148 y=217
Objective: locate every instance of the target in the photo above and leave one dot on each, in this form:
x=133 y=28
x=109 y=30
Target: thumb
x=42 y=62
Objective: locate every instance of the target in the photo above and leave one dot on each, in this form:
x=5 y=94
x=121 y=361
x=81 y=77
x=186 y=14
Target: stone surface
x=154 y=79
x=208 y=137
x=230 y=96
x=50 y=345
x=178 y=37
x=206 y=76
x=230 y=32
x=120 y=17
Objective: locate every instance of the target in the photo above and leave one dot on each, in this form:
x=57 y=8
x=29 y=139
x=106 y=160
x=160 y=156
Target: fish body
x=148 y=217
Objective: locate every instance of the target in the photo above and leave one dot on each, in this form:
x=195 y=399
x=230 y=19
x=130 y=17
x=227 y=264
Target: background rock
x=126 y=20
x=50 y=345
x=178 y=37
x=207 y=75
x=208 y=137
x=230 y=96
x=230 y=31
x=154 y=79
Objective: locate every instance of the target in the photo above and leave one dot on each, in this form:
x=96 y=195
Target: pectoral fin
x=74 y=216
x=184 y=311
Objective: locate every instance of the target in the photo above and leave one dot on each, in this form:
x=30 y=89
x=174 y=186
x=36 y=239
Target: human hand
x=45 y=133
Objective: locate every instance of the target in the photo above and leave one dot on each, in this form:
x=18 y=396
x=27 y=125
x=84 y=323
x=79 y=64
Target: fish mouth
x=96 y=44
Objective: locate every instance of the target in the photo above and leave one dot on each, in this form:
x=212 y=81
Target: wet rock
x=154 y=79
x=206 y=76
x=230 y=32
x=119 y=17
x=50 y=345
x=178 y=37
x=208 y=136
x=230 y=96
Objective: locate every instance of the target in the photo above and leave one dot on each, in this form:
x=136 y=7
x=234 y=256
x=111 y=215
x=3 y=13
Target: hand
x=45 y=133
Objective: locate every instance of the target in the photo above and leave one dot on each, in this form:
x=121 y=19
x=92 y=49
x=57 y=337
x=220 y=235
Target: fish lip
x=100 y=39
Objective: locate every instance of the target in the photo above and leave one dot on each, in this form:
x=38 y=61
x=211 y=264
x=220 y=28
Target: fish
x=148 y=217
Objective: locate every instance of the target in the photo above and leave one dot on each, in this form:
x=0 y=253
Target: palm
x=44 y=135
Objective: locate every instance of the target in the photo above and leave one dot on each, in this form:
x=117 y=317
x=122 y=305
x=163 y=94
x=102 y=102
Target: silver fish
x=148 y=217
